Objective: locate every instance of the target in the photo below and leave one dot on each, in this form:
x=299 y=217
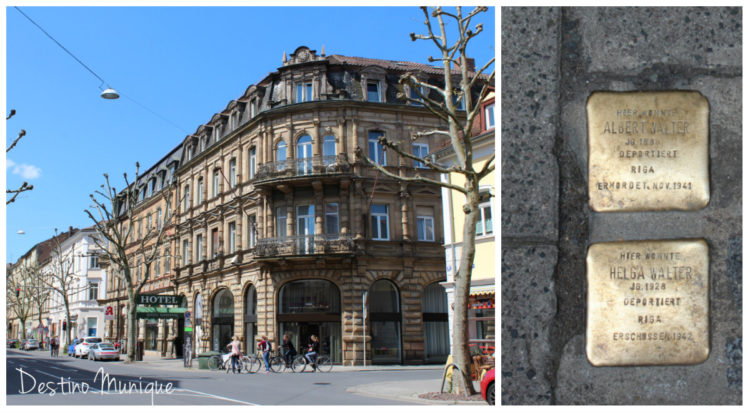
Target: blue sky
x=183 y=63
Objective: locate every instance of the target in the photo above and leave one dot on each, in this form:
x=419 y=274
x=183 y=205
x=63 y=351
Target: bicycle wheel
x=257 y=363
x=214 y=362
x=323 y=364
x=299 y=364
x=277 y=364
x=246 y=364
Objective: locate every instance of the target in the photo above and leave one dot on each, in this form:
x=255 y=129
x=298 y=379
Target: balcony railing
x=292 y=168
x=303 y=245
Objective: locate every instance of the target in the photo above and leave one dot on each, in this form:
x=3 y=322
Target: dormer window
x=203 y=143
x=304 y=92
x=373 y=91
x=489 y=116
x=414 y=94
x=217 y=133
x=252 y=108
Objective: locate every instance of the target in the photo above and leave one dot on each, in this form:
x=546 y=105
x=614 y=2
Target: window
x=199 y=191
x=93 y=291
x=379 y=222
x=252 y=235
x=458 y=103
x=140 y=228
x=425 y=228
x=158 y=219
x=185 y=255
x=413 y=93
x=198 y=248
x=215 y=242
x=329 y=150
x=157 y=266
x=373 y=91
x=189 y=153
x=484 y=224
x=251 y=164
x=281 y=222
x=167 y=260
x=186 y=199
x=142 y=195
x=332 y=220
x=215 y=189
x=252 y=109
x=93 y=261
x=281 y=152
x=203 y=143
x=148 y=223
x=159 y=180
x=233 y=173
x=232 y=237
x=489 y=116
x=151 y=186
x=304 y=92
x=420 y=150
x=377 y=152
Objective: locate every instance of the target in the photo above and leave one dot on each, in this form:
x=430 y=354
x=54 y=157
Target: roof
x=388 y=64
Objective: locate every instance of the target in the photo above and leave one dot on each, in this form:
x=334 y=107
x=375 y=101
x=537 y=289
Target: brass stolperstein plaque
x=647 y=303
x=648 y=151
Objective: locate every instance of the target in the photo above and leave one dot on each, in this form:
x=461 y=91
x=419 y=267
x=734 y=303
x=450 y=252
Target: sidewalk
x=393 y=390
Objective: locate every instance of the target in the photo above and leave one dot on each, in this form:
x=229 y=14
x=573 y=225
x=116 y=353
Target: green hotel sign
x=160 y=312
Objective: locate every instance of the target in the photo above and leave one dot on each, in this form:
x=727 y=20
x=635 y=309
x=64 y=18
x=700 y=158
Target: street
x=34 y=378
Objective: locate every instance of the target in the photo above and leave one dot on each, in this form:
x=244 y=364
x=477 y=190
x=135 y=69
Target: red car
x=488 y=387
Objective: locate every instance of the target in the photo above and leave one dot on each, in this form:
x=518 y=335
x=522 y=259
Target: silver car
x=103 y=351
x=31 y=344
x=82 y=348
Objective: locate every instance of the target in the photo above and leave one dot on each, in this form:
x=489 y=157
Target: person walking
x=236 y=354
x=52 y=344
x=265 y=347
x=288 y=350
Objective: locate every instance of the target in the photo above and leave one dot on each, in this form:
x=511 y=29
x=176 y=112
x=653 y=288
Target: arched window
x=385 y=322
x=308 y=307
x=222 y=319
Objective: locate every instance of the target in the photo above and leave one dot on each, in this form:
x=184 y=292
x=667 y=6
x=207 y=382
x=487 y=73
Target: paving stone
x=620 y=40
x=529 y=305
x=530 y=83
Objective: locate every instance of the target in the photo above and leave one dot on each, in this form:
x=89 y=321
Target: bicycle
x=251 y=363
x=278 y=363
x=223 y=362
x=322 y=363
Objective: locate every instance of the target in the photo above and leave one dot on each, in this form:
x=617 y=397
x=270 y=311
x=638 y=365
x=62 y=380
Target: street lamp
x=20 y=232
x=110 y=94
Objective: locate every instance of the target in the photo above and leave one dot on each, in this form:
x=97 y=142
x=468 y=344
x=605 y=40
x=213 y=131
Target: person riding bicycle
x=288 y=350
x=265 y=347
x=236 y=354
x=312 y=350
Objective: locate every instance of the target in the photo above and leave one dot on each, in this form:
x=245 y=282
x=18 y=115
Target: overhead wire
x=95 y=74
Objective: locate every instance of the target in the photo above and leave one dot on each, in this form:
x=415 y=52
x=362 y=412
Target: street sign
x=109 y=313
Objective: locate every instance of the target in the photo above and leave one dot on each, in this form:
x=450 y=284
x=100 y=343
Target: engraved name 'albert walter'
x=648 y=151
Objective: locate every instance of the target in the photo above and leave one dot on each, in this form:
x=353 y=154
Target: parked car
x=82 y=348
x=12 y=343
x=488 y=387
x=31 y=344
x=103 y=351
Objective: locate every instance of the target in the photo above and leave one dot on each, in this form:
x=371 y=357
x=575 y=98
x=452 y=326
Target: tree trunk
x=132 y=323
x=461 y=356
x=23 y=328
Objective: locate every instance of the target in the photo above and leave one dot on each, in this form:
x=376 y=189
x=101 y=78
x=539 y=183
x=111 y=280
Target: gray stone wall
x=553 y=59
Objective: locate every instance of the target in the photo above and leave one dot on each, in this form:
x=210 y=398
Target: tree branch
x=15 y=142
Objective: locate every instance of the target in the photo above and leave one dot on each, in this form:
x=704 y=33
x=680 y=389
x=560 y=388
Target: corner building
x=281 y=230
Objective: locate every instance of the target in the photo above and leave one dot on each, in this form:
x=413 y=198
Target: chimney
x=470 y=64
x=70 y=230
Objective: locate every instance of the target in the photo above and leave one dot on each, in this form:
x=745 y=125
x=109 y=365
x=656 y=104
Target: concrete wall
x=553 y=59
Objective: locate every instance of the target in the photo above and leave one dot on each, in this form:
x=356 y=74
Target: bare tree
x=25 y=186
x=61 y=278
x=114 y=220
x=470 y=88
x=19 y=293
x=41 y=293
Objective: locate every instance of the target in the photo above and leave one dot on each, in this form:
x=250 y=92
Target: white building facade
x=87 y=286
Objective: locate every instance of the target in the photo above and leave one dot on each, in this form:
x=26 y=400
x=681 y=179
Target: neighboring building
x=87 y=286
x=151 y=212
x=482 y=293
x=37 y=257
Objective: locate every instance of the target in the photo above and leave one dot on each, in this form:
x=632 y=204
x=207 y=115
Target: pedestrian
x=265 y=347
x=288 y=348
x=52 y=346
x=236 y=354
x=312 y=350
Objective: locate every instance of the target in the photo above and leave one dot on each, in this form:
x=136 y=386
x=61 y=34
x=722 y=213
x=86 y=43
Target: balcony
x=304 y=245
x=304 y=167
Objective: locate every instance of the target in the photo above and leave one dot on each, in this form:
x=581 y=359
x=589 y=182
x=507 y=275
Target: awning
x=160 y=312
x=482 y=290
